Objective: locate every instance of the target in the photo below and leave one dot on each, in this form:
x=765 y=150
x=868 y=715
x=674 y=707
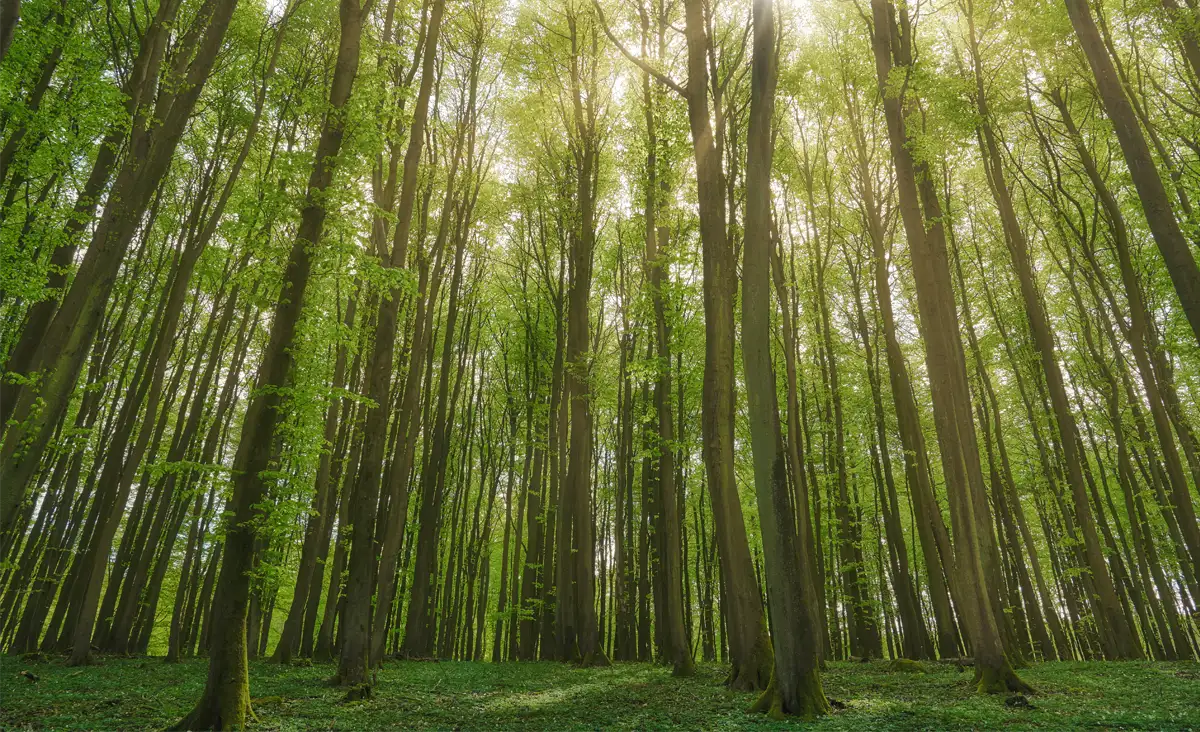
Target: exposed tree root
x=991 y=680
x=228 y=712
x=808 y=700
x=755 y=675
x=594 y=659
x=358 y=692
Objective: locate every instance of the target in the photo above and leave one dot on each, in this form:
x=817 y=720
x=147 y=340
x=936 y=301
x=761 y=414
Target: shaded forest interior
x=772 y=334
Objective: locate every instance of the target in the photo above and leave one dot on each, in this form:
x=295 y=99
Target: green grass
x=128 y=694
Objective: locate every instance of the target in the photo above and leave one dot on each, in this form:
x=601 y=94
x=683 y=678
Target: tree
x=225 y=702
x=796 y=679
x=357 y=653
x=891 y=44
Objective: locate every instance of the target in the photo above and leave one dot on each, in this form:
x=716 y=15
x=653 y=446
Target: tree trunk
x=749 y=644
x=225 y=702
x=944 y=359
x=156 y=133
x=1181 y=265
x=1118 y=637
x=795 y=686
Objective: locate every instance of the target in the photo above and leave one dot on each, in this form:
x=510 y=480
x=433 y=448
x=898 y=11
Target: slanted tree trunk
x=140 y=83
x=1140 y=339
x=121 y=464
x=1181 y=263
x=932 y=535
x=998 y=469
x=1116 y=634
x=225 y=702
x=891 y=45
x=10 y=15
x=155 y=133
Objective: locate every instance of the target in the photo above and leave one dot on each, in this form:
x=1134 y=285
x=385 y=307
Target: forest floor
x=146 y=693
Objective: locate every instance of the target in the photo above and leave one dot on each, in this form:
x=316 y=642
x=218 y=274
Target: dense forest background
x=499 y=330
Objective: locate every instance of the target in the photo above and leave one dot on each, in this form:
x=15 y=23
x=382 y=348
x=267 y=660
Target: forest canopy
x=767 y=333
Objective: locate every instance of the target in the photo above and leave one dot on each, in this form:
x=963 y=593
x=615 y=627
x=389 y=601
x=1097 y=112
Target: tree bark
x=225 y=702
x=944 y=359
x=1181 y=264
x=795 y=686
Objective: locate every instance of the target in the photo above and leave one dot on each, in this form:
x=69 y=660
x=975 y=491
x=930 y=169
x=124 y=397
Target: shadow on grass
x=127 y=694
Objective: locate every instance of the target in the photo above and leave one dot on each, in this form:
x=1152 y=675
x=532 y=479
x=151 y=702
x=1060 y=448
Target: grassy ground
x=128 y=694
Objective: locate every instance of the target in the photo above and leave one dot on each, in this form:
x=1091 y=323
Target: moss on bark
x=596 y=658
x=225 y=707
x=806 y=701
x=754 y=674
x=999 y=680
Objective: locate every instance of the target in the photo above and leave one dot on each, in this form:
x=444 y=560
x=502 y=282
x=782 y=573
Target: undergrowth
x=146 y=693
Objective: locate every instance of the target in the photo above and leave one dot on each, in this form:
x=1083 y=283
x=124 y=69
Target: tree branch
x=661 y=77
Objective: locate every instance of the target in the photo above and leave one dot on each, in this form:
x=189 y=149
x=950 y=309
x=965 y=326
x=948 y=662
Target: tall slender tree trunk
x=749 y=644
x=1116 y=634
x=356 y=654
x=419 y=630
x=915 y=637
x=1181 y=263
x=225 y=702
x=156 y=132
x=575 y=611
x=1140 y=343
x=891 y=45
x=795 y=686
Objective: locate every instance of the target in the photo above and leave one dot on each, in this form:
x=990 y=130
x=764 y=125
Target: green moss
x=999 y=680
x=358 y=692
x=756 y=673
x=810 y=702
x=907 y=666
x=767 y=699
